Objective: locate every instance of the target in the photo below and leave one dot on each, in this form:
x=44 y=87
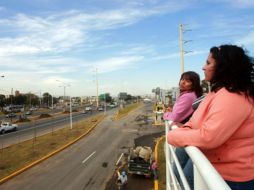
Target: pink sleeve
x=221 y=121
x=182 y=108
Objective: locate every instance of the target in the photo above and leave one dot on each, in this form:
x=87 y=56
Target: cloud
x=2 y=8
x=42 y=66
x=116 y=63
x=61 y=32
x=241 y=3
x=238 y=4
x=247 y=40
x=177 y=55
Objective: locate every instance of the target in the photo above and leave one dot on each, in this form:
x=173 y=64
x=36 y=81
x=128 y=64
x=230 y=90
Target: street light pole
x=70 y=112
x=67 y=85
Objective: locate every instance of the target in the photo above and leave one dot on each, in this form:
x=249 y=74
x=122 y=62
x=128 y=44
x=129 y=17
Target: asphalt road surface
x=89 y=164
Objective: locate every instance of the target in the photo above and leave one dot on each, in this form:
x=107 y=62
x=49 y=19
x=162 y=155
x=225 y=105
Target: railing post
x=199 y=183
x=167 y=158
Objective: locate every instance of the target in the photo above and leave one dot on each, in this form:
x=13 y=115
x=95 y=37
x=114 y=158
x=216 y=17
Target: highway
x=89 y=163
x=38 y=127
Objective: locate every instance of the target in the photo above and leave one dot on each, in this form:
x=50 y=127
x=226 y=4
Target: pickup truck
x=140 y=161
x=7 y=126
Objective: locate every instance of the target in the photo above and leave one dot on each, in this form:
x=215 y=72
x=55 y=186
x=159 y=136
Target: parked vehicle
x=7 y=126
x=140 y=161
x=10 y=115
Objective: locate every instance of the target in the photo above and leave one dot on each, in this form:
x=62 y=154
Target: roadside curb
x=156 y=182
x=49 y=155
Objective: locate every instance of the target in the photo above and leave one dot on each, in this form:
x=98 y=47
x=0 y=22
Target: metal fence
x=205 y=175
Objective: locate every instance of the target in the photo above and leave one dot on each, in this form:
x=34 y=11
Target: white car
x=7 y=126
x=100 y=109
x=88 y=108
x=33 y=109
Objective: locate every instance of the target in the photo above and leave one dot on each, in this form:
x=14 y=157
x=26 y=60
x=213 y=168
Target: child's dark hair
x=195 y=79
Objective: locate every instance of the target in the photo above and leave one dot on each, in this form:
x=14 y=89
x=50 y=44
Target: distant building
x=161 y=95
x=122 y=96
x=166 y=96
x=174 y=92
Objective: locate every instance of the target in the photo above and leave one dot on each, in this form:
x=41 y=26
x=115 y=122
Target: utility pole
x=181 y=49
x=97 y=90
x=182 y=52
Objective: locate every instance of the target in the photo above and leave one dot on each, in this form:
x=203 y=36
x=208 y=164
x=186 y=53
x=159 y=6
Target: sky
x=132 y=44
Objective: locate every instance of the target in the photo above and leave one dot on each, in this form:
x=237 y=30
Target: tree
x=46 y=99
x=2 y=100
x=20 y=99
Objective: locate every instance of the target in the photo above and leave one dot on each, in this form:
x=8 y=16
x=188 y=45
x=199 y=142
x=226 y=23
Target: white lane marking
x=119 y=159
x=88 y=157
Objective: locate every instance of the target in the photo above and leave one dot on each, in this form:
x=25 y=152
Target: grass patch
x=162 y=165
x=123 y=112
x=20 y=155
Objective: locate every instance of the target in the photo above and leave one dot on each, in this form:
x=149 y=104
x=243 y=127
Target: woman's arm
x=219 y=123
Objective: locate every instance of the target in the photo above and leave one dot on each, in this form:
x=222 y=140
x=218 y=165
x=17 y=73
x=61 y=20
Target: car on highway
x=88 y=108
x=7 y=126
x=10 y=115
x=112 y=105
x=84 y=111
x=29 y=112
x=33 y=109
x=100 y=108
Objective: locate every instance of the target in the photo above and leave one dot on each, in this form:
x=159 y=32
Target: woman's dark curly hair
x=234 y=70
x=194 y=78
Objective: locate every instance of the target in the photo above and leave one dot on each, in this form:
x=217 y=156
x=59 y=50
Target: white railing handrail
x=208 y=177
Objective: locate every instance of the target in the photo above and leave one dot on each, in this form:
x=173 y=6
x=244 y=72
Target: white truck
x=7 y=126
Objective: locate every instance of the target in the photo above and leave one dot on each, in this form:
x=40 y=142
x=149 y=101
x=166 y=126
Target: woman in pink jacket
x=223 y=125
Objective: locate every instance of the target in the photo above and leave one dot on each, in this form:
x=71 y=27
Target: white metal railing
x=205 y=175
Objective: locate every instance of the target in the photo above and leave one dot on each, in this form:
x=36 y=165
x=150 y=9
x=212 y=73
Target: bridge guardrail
x=205 y=175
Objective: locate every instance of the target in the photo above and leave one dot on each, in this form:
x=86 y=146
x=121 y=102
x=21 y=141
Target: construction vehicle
x=140 y=160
